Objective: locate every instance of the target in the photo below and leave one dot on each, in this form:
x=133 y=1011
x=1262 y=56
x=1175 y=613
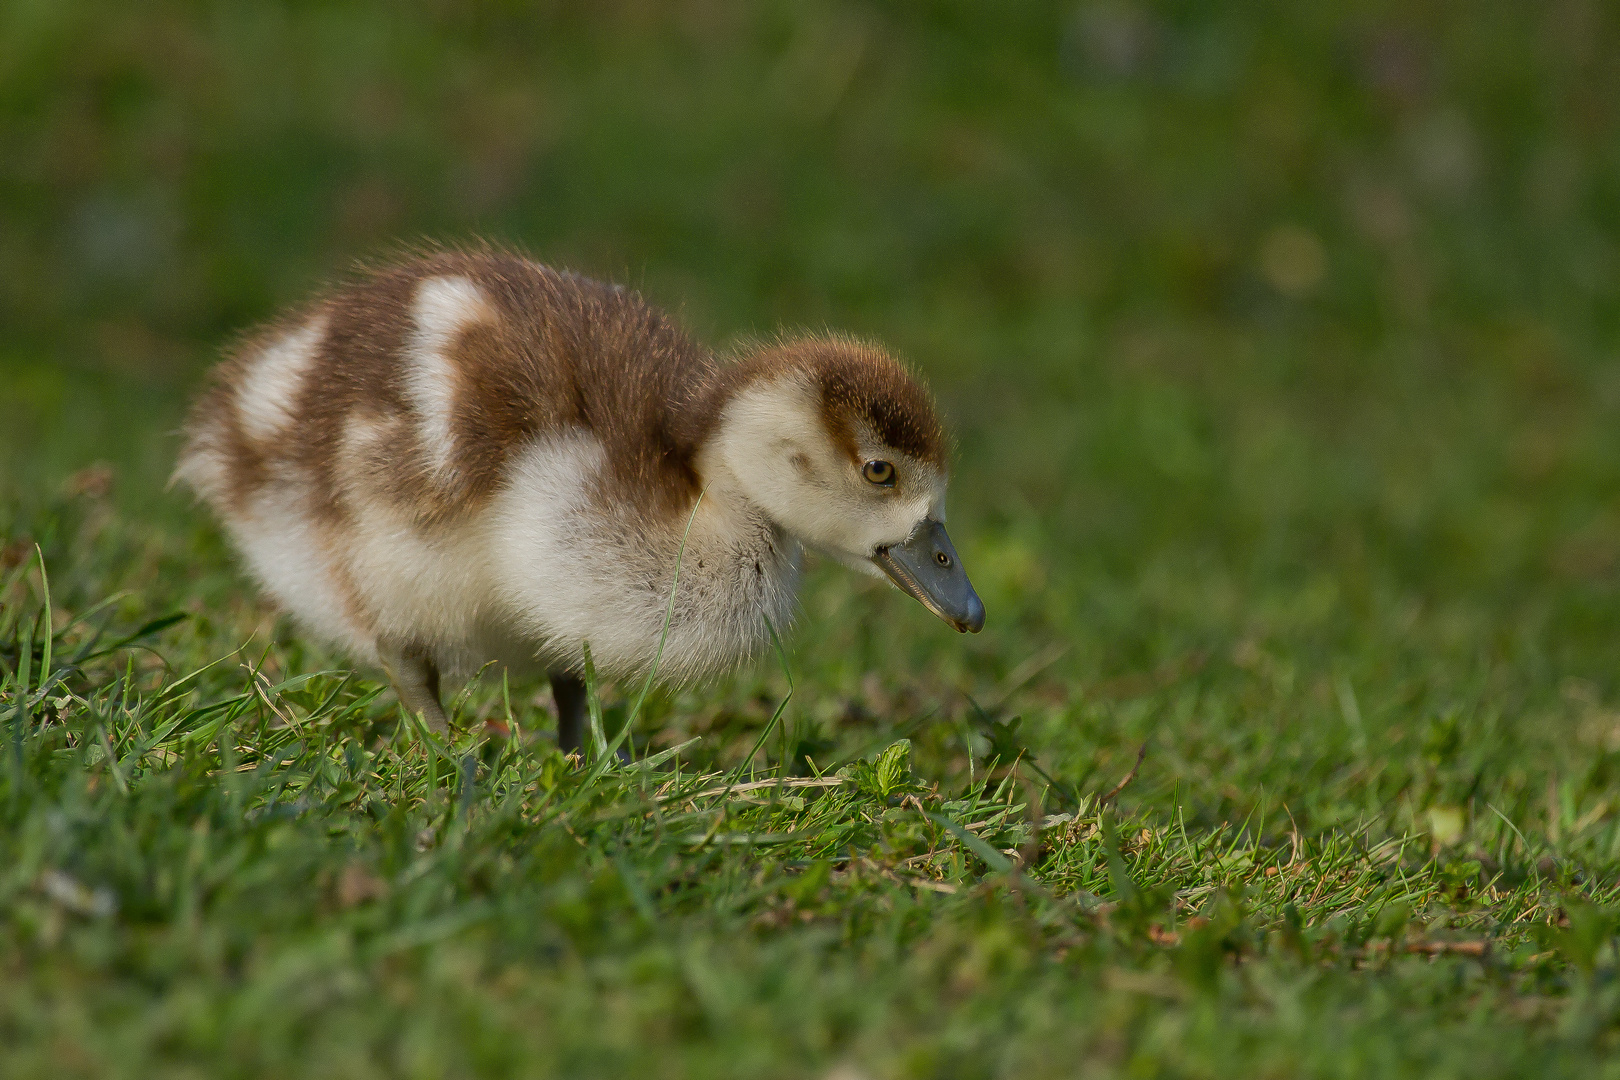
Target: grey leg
x=568 y=690
x=416 y=682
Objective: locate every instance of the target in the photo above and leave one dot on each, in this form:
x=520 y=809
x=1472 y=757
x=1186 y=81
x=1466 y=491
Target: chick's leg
x=572 y=707
x=568 y=690
x=416 y=682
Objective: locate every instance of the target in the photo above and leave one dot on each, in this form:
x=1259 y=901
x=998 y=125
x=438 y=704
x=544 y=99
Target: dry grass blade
x=781 y=783
x=1119 y=787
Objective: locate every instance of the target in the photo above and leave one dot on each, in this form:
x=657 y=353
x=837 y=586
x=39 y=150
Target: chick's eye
x=879 y=472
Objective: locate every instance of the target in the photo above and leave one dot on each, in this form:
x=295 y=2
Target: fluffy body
x=472 y=457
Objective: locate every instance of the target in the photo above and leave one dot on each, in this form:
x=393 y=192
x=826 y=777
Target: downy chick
x=471 y=457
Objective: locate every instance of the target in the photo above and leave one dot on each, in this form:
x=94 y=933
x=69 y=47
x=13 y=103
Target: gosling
x=470 y=457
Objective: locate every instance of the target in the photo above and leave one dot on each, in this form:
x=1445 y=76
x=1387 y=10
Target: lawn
x=1281 y=344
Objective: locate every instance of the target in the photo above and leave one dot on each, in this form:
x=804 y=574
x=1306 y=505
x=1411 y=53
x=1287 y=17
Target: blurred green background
x=1281 y=342
x=1264 y=254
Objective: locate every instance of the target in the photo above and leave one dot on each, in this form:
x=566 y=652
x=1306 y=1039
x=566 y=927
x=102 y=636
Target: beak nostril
x=943 y=587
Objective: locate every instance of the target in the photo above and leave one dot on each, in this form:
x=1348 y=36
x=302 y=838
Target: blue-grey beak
x=926 y=567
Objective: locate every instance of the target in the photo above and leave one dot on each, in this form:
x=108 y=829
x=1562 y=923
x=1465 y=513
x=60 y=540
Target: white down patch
x=267 y=397
x=425 y=586
x=444 y=307
x=575 y=571
x=203 y=465
x=286 y=550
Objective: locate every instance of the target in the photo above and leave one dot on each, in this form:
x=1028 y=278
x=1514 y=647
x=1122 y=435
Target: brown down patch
x=562 y=353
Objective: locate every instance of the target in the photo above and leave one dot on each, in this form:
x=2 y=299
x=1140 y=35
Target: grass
x=1280 y=348
x=227 y=869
